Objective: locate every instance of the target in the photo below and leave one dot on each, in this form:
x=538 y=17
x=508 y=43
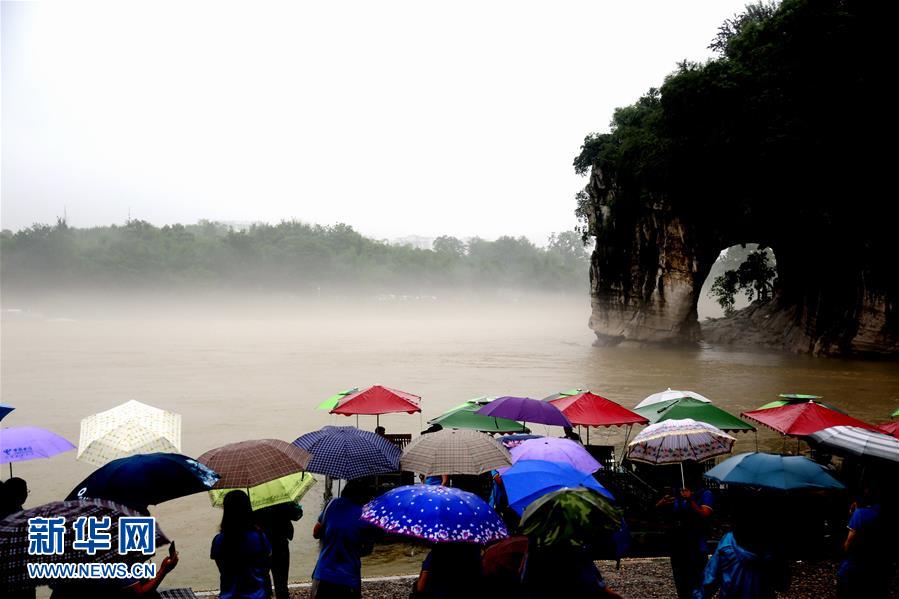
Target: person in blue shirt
x=345 y=538
x=451 y=570
x=242 y=552
x=687 y=513
x=866 y=571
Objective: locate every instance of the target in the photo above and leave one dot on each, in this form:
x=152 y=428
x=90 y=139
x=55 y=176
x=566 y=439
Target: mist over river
x=244 y=367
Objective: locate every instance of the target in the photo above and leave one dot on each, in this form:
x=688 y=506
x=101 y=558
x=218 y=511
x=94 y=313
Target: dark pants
x=328 y=590
x=280 y=567
x=687 y=568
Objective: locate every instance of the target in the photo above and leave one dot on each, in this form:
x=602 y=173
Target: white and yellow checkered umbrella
x=128 y=429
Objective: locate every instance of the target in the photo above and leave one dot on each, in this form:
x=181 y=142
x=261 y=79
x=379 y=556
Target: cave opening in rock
x=742 y=274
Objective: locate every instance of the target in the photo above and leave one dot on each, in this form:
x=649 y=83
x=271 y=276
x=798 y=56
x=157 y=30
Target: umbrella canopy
x=788 y=399
x=250 y=463
x=588 y=409
x=510 y=441
x=562 y=394
x=5 y=410
x=801 y=420
x=128 y=429
x=895 y=413
x=378 y=400
x=437 y=514
x=676 y=441
x=890 y=428
x=525 y=409
x=22 y=443
x=561 y=451
x=668 y=395
x=454 y=452
x=331 y=402
x=858 y=441
x=570 y=517
x=147 y=479
x=784 y=473
x=285 y=489
x=465 y=416
x=346 y=452
x=700 y=411
x=529 y=480
x=14 y=540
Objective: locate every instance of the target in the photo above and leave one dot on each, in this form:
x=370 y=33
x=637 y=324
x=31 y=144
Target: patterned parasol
x=128 y=429
x=454 y=452
x=346 y=452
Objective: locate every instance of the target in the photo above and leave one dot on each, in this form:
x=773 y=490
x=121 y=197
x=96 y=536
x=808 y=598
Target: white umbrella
x=669 y=394
x=676 y=441
x=858 y=441
x=128 y=429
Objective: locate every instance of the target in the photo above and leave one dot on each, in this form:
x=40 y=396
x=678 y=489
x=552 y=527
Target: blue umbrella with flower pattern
x=437 y=514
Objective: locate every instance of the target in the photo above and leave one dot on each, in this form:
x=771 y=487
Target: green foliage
x=754 y=277
x=289 y=255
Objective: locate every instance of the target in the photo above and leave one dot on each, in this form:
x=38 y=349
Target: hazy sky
x=395 y=117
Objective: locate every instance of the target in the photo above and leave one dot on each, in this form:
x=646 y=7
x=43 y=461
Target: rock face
x=650 y=262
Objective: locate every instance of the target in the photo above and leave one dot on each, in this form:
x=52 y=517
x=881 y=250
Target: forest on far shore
x=290 y=255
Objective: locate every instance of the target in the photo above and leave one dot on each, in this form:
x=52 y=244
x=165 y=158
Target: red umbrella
x=589 y=409
x=890 y=428
x=800 y=420
x=378 y=400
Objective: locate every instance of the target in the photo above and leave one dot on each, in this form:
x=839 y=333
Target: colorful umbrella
x=4 y=410
x=454 y=452
x=788 y=399
x=570 y=517
x=588 y=409
x=676 y=441
x=890 y=428
x=346 y=452
x=437 y=514
x=552 y=449
x=510 y=441
x=285 y=489
x=465 y=416
x=858 y=441
x=771 y=471
x=378 y=400
x=668 y=395
x=147 y=479
x=525 y=409
x=700 y=411
x=250 y=465
x=800 y=420
x=331 y=403
x=22 y=443
x=15 y=540
x=529 y=480
x=128 y=429
x=562 y=394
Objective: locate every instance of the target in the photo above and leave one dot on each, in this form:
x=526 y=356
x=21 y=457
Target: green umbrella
x=570 y=517
x=286 y=489
x=562 y=394
x=895 y=414
x=790 y=399
x=464 y=416
x=700 y=411
x=331 y=403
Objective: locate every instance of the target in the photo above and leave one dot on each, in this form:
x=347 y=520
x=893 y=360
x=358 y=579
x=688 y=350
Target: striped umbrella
x=128 y=429
x=858 y=441
x=676 y=441
x=270 y=471
x=14 y=540
x=346 y=452
x=454 y=452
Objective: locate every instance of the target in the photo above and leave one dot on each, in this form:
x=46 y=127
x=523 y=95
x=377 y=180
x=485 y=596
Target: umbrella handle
x=682 y=483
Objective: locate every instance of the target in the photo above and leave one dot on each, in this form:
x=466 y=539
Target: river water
x=243 y=368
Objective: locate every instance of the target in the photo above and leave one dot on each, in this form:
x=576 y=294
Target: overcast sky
x=398 y=118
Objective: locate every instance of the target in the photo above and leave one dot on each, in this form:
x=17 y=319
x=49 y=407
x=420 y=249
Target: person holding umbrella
x=241 y=551
x=12 y=496
x=865 y=572
x=276 y=521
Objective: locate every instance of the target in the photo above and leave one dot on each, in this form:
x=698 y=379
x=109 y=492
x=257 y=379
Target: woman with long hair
x=242 y=552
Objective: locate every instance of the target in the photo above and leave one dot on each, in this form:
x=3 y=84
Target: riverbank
x=644 y=578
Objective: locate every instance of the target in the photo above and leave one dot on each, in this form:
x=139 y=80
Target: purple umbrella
x=525 y=409
x=560 y=451
x=22 y=443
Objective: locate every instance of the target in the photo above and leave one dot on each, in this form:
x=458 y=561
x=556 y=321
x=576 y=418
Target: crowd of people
x=252 y=554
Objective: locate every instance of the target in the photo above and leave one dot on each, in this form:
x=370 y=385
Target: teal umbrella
x=331 y=403
x=465 y=416
x=770 y=471
x=700 y=411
